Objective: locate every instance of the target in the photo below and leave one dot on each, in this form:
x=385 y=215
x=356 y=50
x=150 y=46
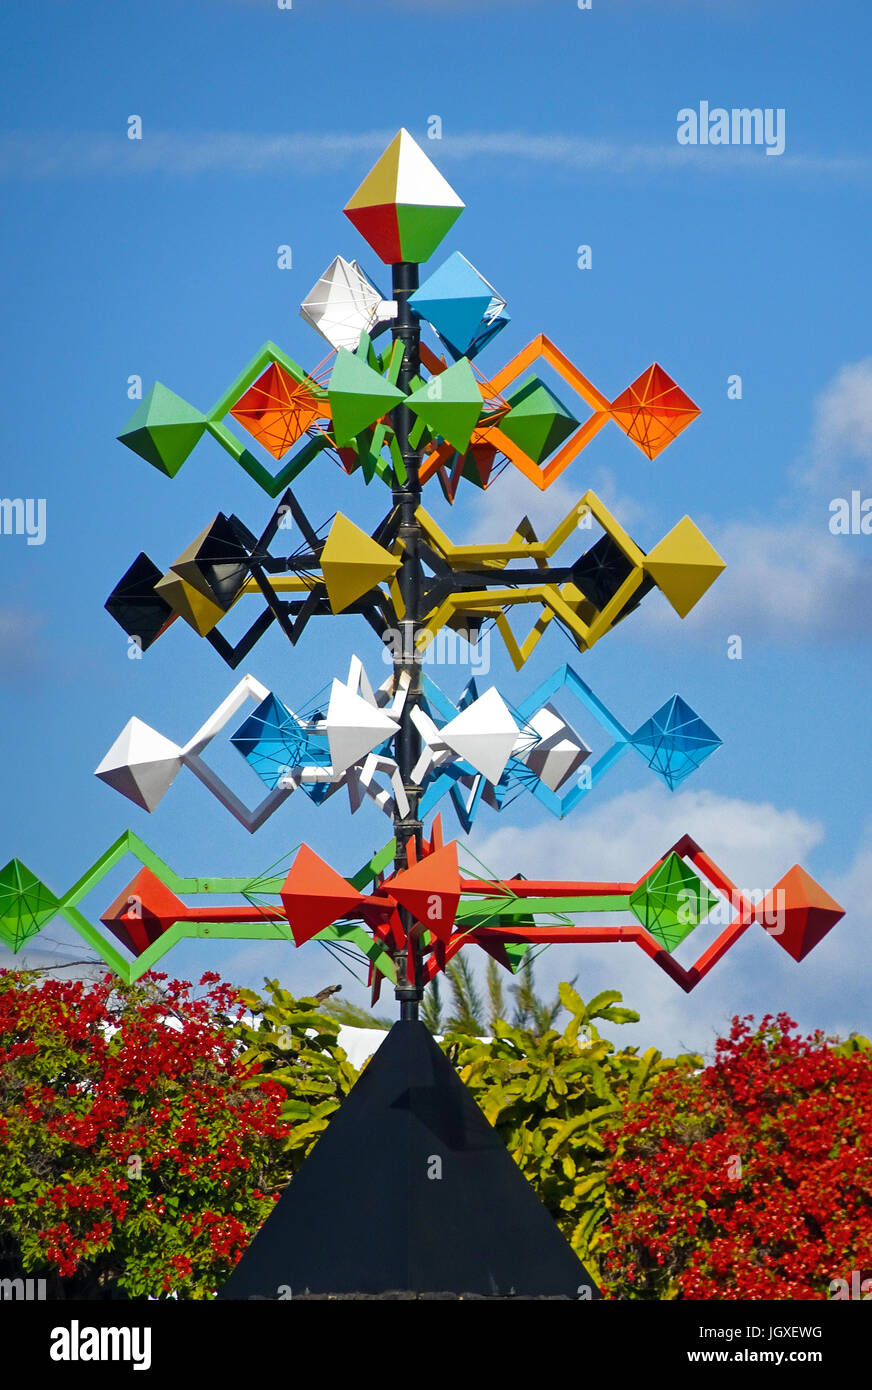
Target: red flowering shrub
x=138 y=1147
x=749 y=1180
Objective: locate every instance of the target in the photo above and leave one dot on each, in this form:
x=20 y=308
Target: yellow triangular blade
x=352 y=563
x=198 y=611
x=380 y=185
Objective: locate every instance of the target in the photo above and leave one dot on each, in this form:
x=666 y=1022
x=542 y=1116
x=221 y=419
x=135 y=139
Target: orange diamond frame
x=542 y=476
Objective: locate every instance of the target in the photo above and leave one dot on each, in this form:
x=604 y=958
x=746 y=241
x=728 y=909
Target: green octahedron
x=450 y=404
x=25 y=905
x=671 y=902
x=537 y=422
x=358 y=396
x=163 y=429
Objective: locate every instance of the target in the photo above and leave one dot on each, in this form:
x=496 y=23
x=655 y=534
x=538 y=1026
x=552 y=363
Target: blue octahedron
x=273 y=740
x=674 y=742
x=461 y=306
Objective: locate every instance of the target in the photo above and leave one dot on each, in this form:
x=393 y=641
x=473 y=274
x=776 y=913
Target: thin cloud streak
x=47 y=154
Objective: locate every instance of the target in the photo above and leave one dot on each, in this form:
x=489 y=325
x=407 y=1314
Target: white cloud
x=787 y=583
x=842 y=428
x=53 y=154
x=754 y=842
x=71 y=154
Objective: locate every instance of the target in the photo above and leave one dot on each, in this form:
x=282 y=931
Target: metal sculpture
x=406 y=415
x=403 y=416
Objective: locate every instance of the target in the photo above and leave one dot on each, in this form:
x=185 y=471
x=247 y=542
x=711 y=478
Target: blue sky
x=158 y=257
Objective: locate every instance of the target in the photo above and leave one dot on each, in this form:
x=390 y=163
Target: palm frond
x=431 y=1008
x=468 y=1015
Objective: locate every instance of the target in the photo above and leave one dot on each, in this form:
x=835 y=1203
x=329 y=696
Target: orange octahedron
x=277 y=410
x=314 y=895
x=142 y=912
x=653 y=411
x=798 y=912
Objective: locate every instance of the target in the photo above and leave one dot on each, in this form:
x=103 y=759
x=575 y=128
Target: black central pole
x=406 y=329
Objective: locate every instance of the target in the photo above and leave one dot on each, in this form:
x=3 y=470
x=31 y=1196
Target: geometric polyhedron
x=537 y=421
x=274 y=741
x=141 y=764
x=560 y=751
x=142 y=912
x=450 y=404
x=671 y=901
x=404 y=206
x=344 y=303
x=277 y=410
x=653 y=411
x=683 y=565
x=215 y=563
x=133 y=603
x=674 y=742
x=798 y=913
x=25 y=905
x=463 y=308
x=163 y=429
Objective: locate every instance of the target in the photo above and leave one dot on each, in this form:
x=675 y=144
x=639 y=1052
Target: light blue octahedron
x=675 y=741
x=463 y=308
x=273 y=740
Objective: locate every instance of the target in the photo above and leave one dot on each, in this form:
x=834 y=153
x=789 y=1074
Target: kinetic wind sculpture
x=403 y=416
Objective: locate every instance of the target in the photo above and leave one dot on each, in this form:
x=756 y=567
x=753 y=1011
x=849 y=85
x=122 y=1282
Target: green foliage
x=136 y=1151
x=495 y=994
x=468 y=1015
x=354 y=1016
x=532 y=1012
x=295 y=1043
x=855 y=1042
x=550 y=1096
x=471 y=1015
x=431 y=1007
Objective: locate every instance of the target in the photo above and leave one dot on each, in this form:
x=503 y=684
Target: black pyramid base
x=409 y=1189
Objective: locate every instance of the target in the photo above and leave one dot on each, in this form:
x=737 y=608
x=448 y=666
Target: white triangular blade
x=354 y=727
x=483 y=734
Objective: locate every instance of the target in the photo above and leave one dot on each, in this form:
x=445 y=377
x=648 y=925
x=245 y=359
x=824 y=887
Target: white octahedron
x=354 y=727
x=485 y=735
x=344 y=303
x=142 y=764
x=560 y=751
